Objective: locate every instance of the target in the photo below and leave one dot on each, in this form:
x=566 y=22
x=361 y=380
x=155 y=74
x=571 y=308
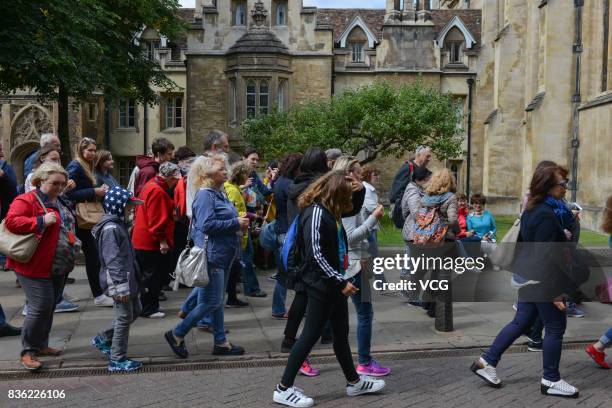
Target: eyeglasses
x=563 y=183
x=57 y=184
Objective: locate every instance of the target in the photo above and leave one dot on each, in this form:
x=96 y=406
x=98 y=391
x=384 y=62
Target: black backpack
x=396 y=215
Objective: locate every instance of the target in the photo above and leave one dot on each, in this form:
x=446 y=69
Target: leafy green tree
x=65 y=49
x=374 y=121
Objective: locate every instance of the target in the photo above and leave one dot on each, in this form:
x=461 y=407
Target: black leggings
x=92 y=262
x=318 y=312
x=235 y=272
x=296 y=314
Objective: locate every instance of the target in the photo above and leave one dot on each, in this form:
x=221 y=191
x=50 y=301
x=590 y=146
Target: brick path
x=435 y=382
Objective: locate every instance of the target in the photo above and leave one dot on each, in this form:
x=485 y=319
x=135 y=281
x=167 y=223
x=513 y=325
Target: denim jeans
x=374 y=252
x=280 y=291
x=118 y=332
x=554 y=321
x=251 y=284
x=365 y=315
x=209 y=302
x=606 y=339
x=191 y=302
x=41 y=295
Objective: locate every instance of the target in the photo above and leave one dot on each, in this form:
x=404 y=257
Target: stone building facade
x=541 y=70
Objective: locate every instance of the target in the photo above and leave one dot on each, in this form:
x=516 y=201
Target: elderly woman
x=215 y=219
x=153 y=235
x=42 y=278
x=81 y=170
x=47 y=154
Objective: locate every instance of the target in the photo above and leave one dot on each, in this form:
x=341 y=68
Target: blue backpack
x=292 y=257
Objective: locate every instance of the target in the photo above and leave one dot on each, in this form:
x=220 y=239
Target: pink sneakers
x=308 y=370
x=373 y=369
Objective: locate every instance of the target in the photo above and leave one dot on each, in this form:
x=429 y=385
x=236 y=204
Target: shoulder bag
x=18 y=247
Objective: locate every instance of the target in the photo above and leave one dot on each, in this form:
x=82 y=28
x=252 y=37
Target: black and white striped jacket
x=322 y=275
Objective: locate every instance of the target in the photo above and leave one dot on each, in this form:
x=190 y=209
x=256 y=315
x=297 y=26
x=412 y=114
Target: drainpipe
x=576 y=98
x=470 y=82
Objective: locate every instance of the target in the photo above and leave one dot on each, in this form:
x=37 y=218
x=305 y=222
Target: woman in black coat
x=541 y=270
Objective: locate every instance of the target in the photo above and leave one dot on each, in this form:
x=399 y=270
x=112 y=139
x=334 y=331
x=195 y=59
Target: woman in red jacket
x=41 y=281
x=153 y=235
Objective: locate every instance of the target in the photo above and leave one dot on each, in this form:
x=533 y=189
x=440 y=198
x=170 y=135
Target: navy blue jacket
x=8 y=188
x=84 y=190
x=281 y=196
x=543 y=255
x=214 y=215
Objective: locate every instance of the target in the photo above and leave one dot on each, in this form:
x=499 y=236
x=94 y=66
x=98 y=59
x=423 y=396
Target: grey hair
x=421 y=149
x=213 y=138
x=202 y=169
x=46 y=138
x=333 y=154
x=345 y=163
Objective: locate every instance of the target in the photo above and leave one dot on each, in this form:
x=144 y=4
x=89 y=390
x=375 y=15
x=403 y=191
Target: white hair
x=421 y=149
x=47 y=138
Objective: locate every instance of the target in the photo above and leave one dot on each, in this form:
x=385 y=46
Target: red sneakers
x=598 y=356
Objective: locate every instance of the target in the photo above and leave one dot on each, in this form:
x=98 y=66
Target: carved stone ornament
x=29 y=125
x=259 y=14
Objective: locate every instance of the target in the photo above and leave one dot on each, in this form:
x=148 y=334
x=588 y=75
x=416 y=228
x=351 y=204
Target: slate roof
x=339 y=19
x=259 y=40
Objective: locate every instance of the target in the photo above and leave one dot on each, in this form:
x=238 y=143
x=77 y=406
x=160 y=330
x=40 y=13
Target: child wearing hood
x=119 y=278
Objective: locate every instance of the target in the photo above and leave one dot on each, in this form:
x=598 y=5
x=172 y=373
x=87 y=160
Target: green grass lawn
x=391 y=236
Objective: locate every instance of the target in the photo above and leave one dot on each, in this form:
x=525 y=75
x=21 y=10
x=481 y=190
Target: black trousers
x=296 y=314
x=318 y=312
x=153 y=267
x=92 y=262
x=235 y=272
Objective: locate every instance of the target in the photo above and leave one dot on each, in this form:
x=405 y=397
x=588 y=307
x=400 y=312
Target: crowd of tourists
x=315 y=215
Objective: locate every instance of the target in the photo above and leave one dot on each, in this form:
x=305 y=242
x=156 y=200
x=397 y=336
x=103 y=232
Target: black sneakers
x=179 y=349
x=228 y=351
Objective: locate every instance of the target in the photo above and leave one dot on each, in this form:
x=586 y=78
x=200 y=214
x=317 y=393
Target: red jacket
x=148 y=169
x=180 y=199
x=25 y=216
x=462 y=213
x=154 y=221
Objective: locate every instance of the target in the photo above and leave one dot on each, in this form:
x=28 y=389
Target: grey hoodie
x=119 y=273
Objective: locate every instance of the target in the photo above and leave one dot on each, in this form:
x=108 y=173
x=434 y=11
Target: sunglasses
x=564 y=183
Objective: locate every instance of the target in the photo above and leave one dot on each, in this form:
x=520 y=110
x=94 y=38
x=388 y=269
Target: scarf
x=563 y=213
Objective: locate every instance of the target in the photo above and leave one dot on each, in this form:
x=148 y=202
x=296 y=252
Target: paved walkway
x=397 y=327
x=427 y=383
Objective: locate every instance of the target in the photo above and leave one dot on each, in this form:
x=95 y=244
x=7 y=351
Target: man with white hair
x=46 y=139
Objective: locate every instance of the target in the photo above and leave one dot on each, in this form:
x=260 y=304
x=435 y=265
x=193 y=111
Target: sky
x=324 y=3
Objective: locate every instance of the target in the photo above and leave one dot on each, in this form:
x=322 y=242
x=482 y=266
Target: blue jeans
x=209 y=302
x=554 y=321
x=365 y=315
x=2 y=317
x=279 y=297
x=606 y=339
x=191 y=302
x=251 y=284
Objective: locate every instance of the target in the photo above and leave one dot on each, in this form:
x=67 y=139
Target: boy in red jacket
x=153 y=235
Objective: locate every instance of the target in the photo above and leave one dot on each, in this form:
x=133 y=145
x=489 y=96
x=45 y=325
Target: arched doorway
x=28 y=124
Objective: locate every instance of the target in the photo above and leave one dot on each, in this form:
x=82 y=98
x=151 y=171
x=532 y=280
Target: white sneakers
x=104 y=301
x=559 y=388
x=487 y=372
x=365 y=385
x=156 y=315
x=292 y=397
x=295 y=397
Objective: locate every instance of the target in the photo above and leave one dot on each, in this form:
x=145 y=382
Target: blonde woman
x=358 y=229
x=43 y=277
x=213 y=217
x=81 y=171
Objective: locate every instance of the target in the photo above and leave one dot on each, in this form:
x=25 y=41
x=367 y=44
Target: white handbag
x=192 y=266
x=19 y=247
x=503 y=255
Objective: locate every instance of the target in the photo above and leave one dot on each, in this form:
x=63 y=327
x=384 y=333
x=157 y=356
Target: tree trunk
x=63 y=128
